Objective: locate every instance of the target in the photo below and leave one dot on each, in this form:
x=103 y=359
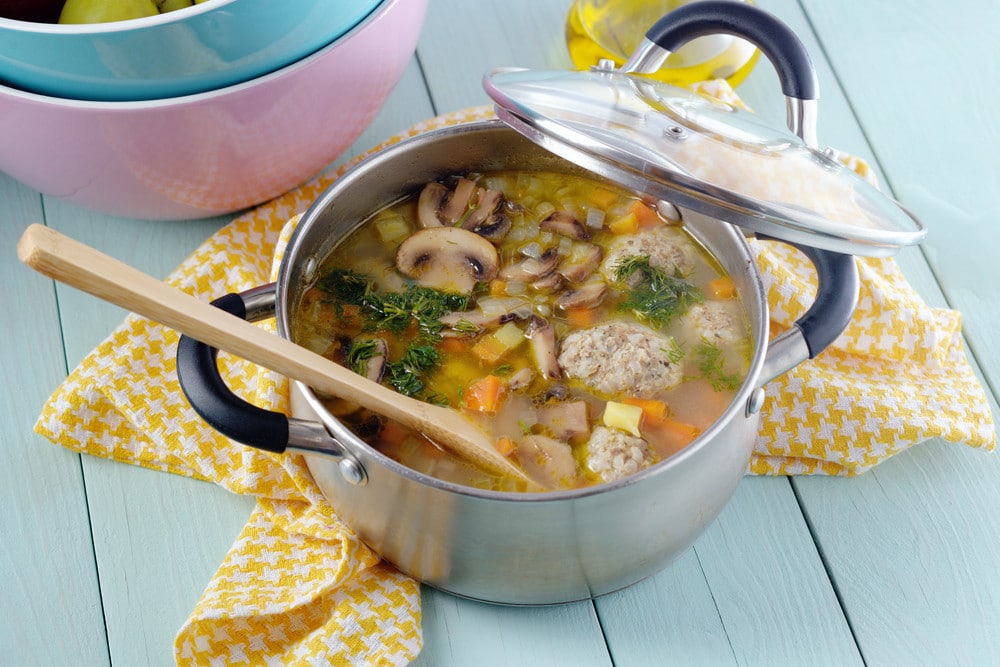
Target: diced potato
x=626 y=224
x=623 y=416
x=492 y=347
x=602 y=198
x=509 y=335
x=392 y=228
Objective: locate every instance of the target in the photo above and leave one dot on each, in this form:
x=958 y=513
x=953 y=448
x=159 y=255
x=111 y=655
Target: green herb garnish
x=675 y=353
x=360 y=353
x=396 y=312
x=407 y=374
x=710 y=364
x=659 y=297
x=503 y=370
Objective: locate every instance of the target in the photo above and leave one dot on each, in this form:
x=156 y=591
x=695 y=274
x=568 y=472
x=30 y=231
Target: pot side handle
x=775 y=40
x=827 y=317
x=206 y=391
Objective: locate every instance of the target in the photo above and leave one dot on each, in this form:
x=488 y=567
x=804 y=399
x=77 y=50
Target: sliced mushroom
x=474 y=322
x=487 y=202
x=531 y=269
x=432 y=198
x=543 y=346
x=375 y=366
x=458 y=203
x=565 y=420
x=548 y=461
x=566 y=224
x=548 y=283
x=494 y=228
x=469 y=323
x=447 y=258
x=588 y=295
x=521 y=379
x=581 y=262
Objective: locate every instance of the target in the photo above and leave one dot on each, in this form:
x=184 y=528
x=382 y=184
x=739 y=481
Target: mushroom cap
x=451 y=259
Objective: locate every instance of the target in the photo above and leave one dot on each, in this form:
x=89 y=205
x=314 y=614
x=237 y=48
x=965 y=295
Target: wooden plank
x=51 y=603
x=455 y=55
x=936 y=136
x=159 y=538
x=752 y=591
x=463 y=632
x=912 y=544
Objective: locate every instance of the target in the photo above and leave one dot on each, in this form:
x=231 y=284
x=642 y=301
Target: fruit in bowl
x=131 y=50
x=216 y=152
x=103 y=11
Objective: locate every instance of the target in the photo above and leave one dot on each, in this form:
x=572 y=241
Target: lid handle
x=775 y=40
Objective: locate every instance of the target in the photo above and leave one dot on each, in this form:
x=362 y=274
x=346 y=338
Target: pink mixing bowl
x=215 y=152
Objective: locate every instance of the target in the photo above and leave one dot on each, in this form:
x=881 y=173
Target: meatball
x=613 y=454
x=620 y=357
x=718 y=322
x=668 y=249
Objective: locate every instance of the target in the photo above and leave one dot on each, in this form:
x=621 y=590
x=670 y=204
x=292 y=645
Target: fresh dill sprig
x=710 y=364
x=360 y=353
x=658 y=297
x=408 y=373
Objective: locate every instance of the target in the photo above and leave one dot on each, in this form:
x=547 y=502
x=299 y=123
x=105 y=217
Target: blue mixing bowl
x=207 y=46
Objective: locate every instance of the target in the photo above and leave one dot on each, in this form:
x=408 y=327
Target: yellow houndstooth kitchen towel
x=298 y=587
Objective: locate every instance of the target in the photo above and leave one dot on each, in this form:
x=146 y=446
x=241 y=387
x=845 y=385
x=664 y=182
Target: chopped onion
x=595 y=218
x=493 y=305
x=532 y=250
x=516 y=287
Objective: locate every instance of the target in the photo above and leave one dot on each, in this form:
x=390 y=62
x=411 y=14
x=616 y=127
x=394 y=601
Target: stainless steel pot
x=507 y=547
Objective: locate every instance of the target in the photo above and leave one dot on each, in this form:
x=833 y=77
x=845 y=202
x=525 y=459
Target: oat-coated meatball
x=620 y=357
x=668 y=249
x=717 y=322
x=613 y=454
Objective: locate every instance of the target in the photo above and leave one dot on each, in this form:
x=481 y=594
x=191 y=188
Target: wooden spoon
x=66 y=260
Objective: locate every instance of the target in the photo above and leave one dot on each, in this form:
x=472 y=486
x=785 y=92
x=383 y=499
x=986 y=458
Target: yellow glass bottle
x=597 y=29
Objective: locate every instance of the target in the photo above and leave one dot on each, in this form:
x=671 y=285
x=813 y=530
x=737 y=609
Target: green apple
x=103 y=11
x=171 y=5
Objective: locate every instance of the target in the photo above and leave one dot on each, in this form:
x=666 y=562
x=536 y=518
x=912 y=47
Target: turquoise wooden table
x=100 y=562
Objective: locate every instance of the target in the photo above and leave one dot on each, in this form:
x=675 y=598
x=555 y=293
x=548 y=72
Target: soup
x=581 y=327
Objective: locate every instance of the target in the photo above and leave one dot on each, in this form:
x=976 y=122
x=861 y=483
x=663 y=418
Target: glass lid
x=702 y=154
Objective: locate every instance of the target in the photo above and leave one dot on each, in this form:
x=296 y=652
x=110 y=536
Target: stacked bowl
x=200 y=111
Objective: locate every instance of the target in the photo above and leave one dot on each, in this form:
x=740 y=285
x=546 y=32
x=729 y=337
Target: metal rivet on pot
x=309 y=270
x=675 y=132
x=755 y=402
x=353 y=472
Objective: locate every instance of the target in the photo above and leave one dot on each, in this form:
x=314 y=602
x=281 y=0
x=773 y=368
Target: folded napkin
x=298 y=587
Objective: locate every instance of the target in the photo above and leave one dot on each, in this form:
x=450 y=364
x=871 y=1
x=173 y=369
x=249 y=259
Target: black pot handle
x=827 y=317
x=230 y=415
x=775 y=40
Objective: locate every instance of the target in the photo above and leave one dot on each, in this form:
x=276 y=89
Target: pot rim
x=356 y=445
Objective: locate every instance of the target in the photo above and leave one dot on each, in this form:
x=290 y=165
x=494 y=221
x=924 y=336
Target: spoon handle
x=73 y=263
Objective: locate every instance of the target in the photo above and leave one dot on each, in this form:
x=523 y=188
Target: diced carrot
x=626 y=224
x=392 y=433
x=675 y=434
x=721 y=288
x=484 y=395
x=645 y=215
x=498 y=287
x=582 y=317
x=653 y=411
x=453 y=345
x=489 y=349
x=505 y=446
x=602 y=198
